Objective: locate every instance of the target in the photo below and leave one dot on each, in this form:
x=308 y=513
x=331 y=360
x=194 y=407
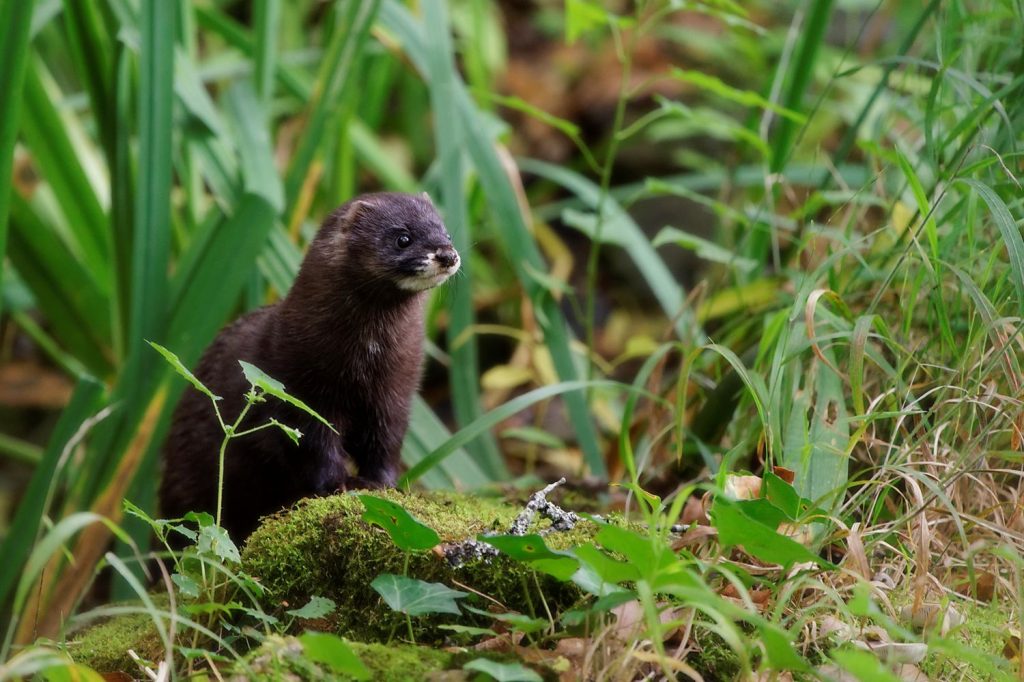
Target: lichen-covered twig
x=561 y=520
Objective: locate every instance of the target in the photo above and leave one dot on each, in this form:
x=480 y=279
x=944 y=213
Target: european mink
x=346 y=340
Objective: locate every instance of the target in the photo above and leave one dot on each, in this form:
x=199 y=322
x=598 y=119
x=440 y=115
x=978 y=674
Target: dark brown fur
x=346 y=340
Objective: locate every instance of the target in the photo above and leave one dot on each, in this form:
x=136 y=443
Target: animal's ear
x=350 y=212
x=427 y=197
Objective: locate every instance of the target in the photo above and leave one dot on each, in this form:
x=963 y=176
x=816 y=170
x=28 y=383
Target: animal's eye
x=403 y=240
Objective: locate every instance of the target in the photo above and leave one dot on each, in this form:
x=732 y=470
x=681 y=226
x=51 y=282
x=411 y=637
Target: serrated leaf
x=318 y=607
x=416 y=597
x=333 y=651
x=187 y=586
x=259 y=379
x=503 y=672
x=406 y=532
x=215 y=540
x=181 y=369
x=201 y=519
x=294 y=434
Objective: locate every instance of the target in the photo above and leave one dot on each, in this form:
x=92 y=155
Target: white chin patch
x=433 y=275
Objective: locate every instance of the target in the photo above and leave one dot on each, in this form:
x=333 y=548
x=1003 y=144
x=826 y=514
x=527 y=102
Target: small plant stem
x=229 y=433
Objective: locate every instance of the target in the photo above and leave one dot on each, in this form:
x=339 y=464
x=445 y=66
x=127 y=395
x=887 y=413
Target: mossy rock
x=322 y=547
x=104 y=646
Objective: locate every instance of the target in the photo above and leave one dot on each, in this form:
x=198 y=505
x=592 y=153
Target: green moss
x=104 y=647
x=283 y=657
x=322 y=547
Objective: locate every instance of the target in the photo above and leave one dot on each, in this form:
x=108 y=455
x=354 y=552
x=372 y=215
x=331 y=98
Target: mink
x=347 y=340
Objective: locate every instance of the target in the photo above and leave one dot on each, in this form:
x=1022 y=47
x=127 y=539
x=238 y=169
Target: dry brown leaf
x=895 y=652
x=910 y=673
x=743 y=487
x=1011 y=647
x=29 y=384
x=984 y=586
x=856 y=559
x=787 y=475
x=694 y=511
x=927 y=615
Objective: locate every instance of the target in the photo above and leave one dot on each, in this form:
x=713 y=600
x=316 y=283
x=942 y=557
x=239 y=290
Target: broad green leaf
x=405 y=531
x=318 y=607
x=181 y=369
x=608 y=569
x=532 y=549
x=258 y=379
x=333 y=651
x=416 y=597
x=215 y=540
x=71 y=672
x=503 y=672
x=187 y=586
x=583 y=16
x=779 y=649
x=759 y=540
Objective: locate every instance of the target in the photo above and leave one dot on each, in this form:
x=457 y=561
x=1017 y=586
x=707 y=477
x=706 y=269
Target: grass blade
x=334 y=81
x=46 y=134
x=512 y=229
x=152 y=229
x=86 y=401
x=266 y=14
x=15 y=18
x=465 y=367
x=63 y=288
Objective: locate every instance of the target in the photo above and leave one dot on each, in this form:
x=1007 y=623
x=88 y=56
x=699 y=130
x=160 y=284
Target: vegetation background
x=700 y=238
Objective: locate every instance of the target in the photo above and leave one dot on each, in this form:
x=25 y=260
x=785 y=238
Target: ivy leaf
x=333 y=651
x=532 y=549
x=416 y=597
x=503 y=672
x=318 y=607
x=405 y=531
x=258 y=379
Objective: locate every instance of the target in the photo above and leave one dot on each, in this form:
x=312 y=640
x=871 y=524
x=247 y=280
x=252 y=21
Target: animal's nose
x=447 y=257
